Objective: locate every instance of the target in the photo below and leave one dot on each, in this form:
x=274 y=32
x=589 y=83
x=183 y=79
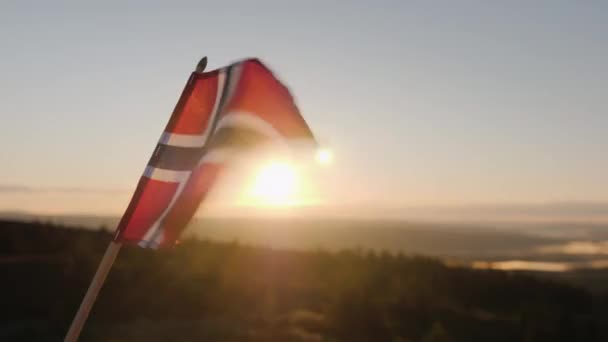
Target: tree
x=437 y=334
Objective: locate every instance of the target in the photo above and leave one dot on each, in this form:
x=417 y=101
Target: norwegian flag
x=219 y=114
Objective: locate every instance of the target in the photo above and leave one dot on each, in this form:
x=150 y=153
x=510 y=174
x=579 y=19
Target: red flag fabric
x=219 y=114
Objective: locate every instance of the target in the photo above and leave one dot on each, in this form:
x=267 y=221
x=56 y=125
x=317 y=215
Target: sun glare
x=324 y=156
x=276 y=184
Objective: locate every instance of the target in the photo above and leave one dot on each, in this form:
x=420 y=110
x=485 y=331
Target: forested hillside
x=204 y=290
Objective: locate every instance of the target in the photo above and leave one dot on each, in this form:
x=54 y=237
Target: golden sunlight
x=324 y=156
x=276 y=184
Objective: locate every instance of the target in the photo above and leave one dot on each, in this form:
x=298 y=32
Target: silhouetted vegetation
x=205 y=290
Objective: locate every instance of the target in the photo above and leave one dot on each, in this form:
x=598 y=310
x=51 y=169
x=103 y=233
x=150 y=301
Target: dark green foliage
x=204 y=290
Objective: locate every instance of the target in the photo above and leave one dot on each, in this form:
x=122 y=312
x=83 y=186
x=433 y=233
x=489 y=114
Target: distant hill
x=461 y=242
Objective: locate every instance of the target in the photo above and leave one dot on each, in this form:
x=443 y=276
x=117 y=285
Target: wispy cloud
x=8 y=188
x=578 y=248
x=549 y=208
x=13 y=188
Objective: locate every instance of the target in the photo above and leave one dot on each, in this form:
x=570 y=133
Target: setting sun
x=276 y=184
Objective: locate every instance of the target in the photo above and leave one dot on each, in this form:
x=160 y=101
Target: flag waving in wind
x=220 y=114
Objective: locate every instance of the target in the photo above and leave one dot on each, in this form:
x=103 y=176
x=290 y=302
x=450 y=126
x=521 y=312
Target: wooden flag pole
x=93 y=291
x=103 y=270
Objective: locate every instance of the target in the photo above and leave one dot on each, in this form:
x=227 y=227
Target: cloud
x=14 y=188
x=578 y=248
x=4 y=188
x=573 y=208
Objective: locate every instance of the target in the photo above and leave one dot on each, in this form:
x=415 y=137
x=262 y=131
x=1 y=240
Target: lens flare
x=324 y=156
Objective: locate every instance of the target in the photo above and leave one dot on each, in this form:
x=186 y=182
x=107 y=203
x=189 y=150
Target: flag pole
x=102 y=271
x=87 y=302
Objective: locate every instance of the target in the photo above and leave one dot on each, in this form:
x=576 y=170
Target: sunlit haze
x=276 y=184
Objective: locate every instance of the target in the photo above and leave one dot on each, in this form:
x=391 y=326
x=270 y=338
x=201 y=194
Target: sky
x=422 y=103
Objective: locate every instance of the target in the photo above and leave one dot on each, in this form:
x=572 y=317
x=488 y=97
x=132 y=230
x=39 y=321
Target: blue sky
x=423 y=103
